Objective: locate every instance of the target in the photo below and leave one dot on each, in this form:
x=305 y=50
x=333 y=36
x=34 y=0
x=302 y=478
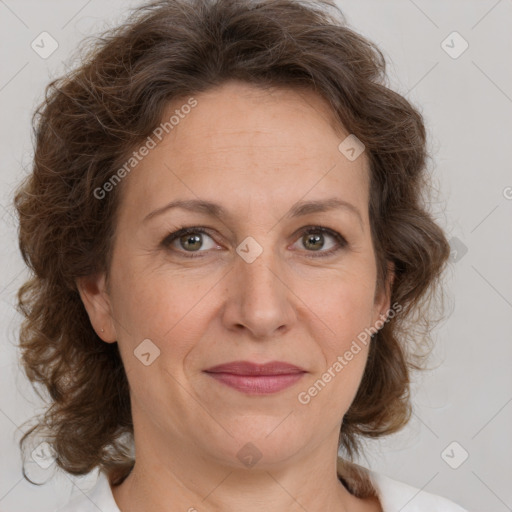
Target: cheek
x=332 y=389
x=149 y=308
x=169 y=311
x=149 y=301
x=345 y=307
x=351 y=309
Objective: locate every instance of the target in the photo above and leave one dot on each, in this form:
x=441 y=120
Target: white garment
x=394 y=496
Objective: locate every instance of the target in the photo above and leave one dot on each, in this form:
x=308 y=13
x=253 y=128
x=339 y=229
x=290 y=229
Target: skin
x=256 y=153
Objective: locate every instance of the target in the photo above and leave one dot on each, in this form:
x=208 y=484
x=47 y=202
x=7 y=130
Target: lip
x=257 y=379
x=250 y=368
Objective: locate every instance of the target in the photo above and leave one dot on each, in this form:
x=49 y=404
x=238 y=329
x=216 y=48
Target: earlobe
x=95 y=298
x=384 y=303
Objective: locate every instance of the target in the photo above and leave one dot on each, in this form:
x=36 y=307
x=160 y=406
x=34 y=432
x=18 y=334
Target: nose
x=259 y=299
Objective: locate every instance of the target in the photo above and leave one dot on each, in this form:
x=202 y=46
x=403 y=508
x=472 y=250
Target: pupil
x=187 y=239
x=313 y=239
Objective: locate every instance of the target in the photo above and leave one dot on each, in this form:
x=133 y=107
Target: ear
x=96 y=300
x=382 y=302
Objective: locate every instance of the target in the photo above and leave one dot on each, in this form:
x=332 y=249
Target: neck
x=176 y=474
x=185 y=483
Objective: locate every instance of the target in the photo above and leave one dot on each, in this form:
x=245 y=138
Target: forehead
x=276 y=117
x=241 y=141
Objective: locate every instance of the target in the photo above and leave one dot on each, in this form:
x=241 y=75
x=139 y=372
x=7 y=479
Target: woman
x=225 y=226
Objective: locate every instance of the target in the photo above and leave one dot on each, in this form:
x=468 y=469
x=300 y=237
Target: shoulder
x=98 y=498
x=398 y=496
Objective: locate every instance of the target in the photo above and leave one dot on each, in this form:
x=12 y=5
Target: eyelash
x=342 y=243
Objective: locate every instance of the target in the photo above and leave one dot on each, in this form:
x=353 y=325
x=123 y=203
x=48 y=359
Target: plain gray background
x=466 y=99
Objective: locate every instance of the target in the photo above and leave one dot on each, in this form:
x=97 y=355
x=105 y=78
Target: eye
x=313 y=238
x=188 y=240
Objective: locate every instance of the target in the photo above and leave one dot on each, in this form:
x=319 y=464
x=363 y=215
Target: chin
x=263 y=442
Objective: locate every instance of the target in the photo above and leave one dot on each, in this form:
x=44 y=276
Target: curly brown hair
x=94 y=116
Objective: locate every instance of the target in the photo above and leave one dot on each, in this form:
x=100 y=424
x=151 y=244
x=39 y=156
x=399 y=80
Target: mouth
x=256 y=379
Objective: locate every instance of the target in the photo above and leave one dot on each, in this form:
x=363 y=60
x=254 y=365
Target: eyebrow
x=297 y=210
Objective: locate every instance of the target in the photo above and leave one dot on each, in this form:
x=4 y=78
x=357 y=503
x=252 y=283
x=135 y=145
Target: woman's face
x=254 y=286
